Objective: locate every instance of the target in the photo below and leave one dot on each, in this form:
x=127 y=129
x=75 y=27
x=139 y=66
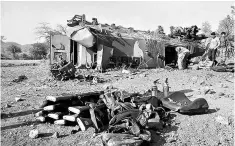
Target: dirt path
x=18 y=118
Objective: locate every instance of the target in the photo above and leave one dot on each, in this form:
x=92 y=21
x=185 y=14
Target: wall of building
x=60 y=45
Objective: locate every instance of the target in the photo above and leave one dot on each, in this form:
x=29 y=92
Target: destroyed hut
x=93 y=45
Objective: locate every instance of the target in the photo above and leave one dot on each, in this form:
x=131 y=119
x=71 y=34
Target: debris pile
x=63 y=70
x=120 y=113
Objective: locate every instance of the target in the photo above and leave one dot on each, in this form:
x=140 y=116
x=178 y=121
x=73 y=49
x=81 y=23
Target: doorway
x=170 y=56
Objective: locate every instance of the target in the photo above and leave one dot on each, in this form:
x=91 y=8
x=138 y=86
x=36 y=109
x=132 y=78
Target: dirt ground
x=18 y=117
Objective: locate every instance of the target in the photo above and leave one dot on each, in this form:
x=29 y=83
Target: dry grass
x=10 y=63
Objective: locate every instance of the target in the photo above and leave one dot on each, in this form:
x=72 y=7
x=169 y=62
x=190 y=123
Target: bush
x=14 y=50
x=39 y=50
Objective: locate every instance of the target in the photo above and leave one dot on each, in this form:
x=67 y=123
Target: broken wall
x=60 y=45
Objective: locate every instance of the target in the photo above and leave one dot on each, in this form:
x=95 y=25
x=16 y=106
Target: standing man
x=183 y=54
x=214 y=44
x=223 y=46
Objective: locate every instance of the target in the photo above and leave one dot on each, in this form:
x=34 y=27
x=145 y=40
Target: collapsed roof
x=79 y=22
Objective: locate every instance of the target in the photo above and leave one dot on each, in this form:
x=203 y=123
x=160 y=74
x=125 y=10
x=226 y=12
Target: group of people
x=212 y=45
x=215 y=44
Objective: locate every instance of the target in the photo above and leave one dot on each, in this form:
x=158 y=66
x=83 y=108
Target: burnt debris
x=118 y=112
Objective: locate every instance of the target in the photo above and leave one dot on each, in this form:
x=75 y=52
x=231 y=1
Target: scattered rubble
x=123 y=112
x=18 y=99
x=33 y=133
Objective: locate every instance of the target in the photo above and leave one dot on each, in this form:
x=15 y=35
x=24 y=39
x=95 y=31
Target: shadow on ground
x=18 y=114
x=20 y=125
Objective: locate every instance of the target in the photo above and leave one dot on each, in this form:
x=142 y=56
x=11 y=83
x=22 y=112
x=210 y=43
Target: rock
x=211 y=92
x=7 y=105
x=231 y=120
x=124 y=71
x=221 y=94
x=33 y=133
x=221 y=120
x=18 y=99
x=55 y=135
x=202 y=83
x=206 y=89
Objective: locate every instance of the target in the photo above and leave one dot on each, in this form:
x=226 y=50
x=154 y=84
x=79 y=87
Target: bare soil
x=17 y=119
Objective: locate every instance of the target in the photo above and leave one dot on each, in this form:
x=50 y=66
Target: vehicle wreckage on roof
x=103 y=46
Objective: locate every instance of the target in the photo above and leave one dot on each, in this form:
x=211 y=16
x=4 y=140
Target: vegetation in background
x=14 y=50
x=206 y=28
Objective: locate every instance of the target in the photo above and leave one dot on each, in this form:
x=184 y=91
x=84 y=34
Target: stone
x=206 y=89
x=124 y=71
x=33 y=133
x=202 y=83
x=18 y=99
x=55 y=135
x=7 y=105
x=211 y=92
x=231 y=120
x=221 y=94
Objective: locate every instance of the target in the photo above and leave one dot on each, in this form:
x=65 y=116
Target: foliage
x=172 y=29
x=24 y=56
x=226 y=25
x=160 y=30
x=44 y=30
x=3 y=38
x=233 y=10
x=39 y=50
x=206 y=28
x=14 y=50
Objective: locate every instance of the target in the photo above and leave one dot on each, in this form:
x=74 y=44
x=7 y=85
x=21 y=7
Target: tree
x=206 y=28
x=233 y=10
x=44 y=30
x=160 y=30
x=226 y=25
x=39 y=50
x=3 y=38
x=61 y=29
x=172 y=28
x=14 y=50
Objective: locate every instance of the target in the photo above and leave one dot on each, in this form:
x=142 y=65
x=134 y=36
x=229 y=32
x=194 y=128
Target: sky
x=19 y=19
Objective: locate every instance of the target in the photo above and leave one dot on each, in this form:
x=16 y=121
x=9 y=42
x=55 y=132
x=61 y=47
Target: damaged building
x=93 y=45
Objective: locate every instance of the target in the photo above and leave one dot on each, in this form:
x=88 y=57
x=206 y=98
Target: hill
x=4 y=45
